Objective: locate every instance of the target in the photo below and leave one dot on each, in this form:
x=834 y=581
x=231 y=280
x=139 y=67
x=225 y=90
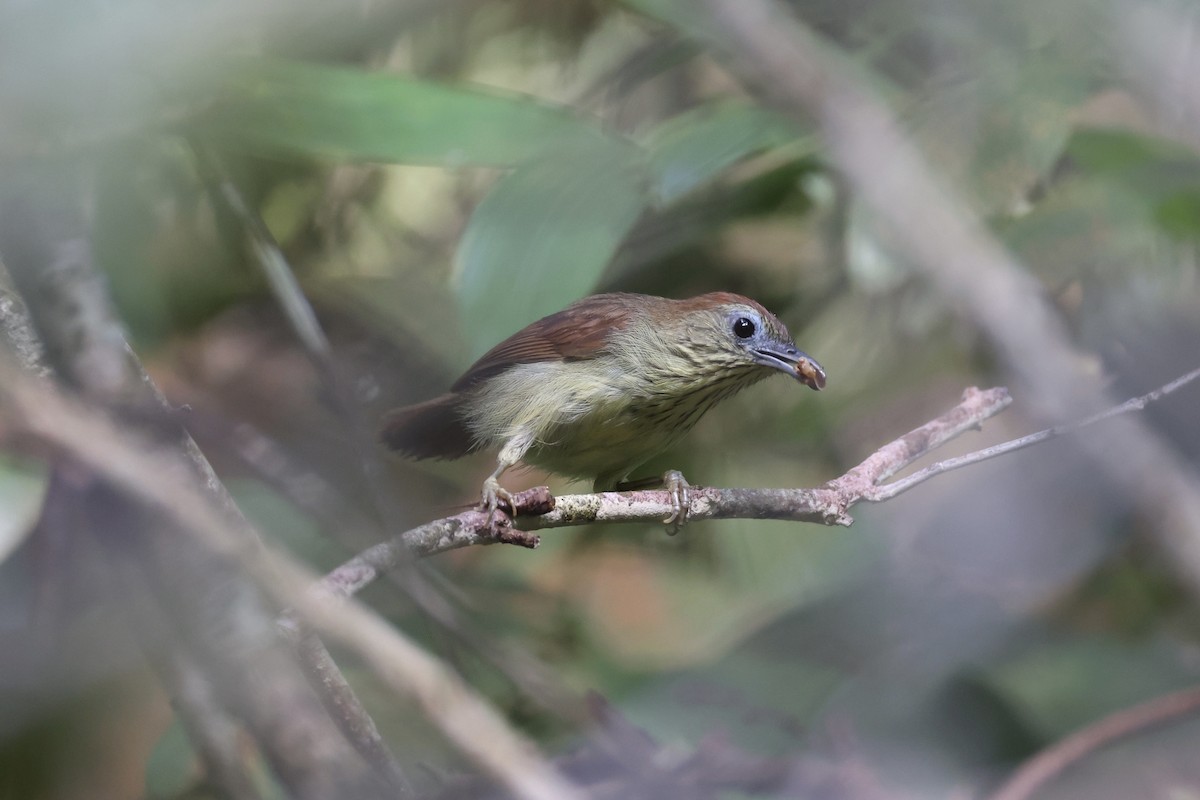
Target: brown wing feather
x=578 y=331
x=436 y=428
x=433 y=429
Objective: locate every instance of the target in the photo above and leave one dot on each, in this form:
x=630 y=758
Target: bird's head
x=727 y=331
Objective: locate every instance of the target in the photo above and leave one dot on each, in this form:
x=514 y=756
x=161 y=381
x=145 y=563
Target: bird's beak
x=792 y=360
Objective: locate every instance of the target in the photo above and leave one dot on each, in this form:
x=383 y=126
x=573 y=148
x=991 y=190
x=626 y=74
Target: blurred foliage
x=440 y=174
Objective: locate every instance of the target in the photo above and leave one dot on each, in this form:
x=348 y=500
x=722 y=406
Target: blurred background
x=438 y=175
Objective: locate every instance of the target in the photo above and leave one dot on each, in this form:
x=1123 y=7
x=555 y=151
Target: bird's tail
x=433 y=429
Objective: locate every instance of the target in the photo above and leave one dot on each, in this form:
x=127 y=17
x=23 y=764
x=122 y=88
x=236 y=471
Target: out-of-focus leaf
x=692 y=148
x=1179 y=214
x=1113 y=151
x=21 y=493
x=543 y=236
x=1142 y=162
x=680 y=14
x=1062 y=686
x=342 y=113
x=171 y=769
x=1163 y=175
x=756 y=698
x=165 y=273
x=276 y=517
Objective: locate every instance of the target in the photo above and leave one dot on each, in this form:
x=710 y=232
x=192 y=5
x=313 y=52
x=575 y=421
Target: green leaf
x=692 y=148
x=1179 y=214
x=543 y=236
x=338 y=113
x=1068 y=683
x=21 y=494
x=1113 y=151
x=679 y=14
x=171 y=769
x=1163 y=175
x=1154 y=168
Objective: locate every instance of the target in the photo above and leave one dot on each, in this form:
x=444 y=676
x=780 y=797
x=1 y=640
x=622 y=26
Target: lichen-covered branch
x=828 y=504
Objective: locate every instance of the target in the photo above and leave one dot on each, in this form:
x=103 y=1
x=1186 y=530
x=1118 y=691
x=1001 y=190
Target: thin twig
x=298 y=311
x=213 y=732
x=888 y=491
x=828 y=504
x=347 y=710
x=339 y=699
x=1047 y=765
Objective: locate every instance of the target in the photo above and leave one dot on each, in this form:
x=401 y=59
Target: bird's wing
x=433 y=429
x=580 y=330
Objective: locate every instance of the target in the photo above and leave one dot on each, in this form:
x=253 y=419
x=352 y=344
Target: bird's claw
x=493 y=494
x=681 y=501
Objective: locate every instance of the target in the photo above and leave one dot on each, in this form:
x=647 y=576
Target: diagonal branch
x=1042 y=769
x=828 y=504
x=46 y=239
x=335 y=692
x=36 y=415
x=925 y=221
x=1133 y=404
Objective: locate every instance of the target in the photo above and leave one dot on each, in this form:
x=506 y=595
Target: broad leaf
x=692 y=148
x=340 y=113
x=543 y=236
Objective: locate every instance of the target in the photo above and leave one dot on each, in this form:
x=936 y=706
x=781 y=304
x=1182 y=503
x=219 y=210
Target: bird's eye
x=743 y=327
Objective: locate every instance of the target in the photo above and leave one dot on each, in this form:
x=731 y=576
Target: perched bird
x=602 y=386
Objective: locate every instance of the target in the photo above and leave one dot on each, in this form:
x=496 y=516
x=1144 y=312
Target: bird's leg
x=673 y=481
x=493 y=492
x=681 y=501
x=511 y=453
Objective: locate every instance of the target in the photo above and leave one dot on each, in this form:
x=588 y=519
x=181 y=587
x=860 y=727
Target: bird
x=599 y=388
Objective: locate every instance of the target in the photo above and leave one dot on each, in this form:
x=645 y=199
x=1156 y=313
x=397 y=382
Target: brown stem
x=33 y=412
x=1060 y=756
x=828 y=504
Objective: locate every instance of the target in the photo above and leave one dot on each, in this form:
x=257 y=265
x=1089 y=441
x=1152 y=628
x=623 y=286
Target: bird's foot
x=493 y=494
x=673 y=481
x=681 y=501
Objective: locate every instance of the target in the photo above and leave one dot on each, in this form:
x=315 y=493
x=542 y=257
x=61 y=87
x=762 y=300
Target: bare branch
x=784 y=62
x=16 y=328
x=158 y=477
x=336 y=694
x=1134 y=404
x=214 y=733
x=45 y=237
x=1157 y=47
x=1043 y=768
x=828 y=504
x=288 y=293
x=348 y=712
